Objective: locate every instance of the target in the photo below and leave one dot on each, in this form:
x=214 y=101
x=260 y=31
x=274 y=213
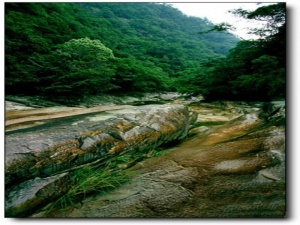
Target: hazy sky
x=218 y=13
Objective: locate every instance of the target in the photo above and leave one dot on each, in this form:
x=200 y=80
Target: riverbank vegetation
x=74 y=50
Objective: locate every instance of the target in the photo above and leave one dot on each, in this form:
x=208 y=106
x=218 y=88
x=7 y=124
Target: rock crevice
x=68 y=143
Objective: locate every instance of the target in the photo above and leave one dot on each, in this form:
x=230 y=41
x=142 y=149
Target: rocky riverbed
x=229 y=161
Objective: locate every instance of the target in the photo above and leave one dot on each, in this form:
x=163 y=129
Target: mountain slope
x=159 y=32
x=151 y=44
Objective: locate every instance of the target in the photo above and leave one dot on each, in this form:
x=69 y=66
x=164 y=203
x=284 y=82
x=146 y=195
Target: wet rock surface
x=231 y=164
x=28 y=196
x=234 y=170
x=67 y=143
x=153 y=193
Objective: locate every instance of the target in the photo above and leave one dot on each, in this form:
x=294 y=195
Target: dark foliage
x=81 y=49
x=254 y=70
x=150 y=44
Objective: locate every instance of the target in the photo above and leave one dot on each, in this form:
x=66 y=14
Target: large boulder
x=35 y=154
x=235 y=170
x=238 y=165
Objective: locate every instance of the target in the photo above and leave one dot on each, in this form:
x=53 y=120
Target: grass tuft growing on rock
x=98 y=180
x=88 y=181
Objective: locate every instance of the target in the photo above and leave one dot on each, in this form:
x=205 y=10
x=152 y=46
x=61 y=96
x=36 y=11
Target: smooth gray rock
x=33 y=155
x=27 y=196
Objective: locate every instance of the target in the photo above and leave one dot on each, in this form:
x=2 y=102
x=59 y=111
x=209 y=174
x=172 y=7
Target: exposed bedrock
x=37 y=156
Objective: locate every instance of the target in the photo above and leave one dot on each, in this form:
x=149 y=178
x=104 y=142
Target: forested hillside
x=255 y=70
x=80 y=49
x=59 y=49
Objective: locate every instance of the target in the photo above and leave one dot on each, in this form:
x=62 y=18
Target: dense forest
x=73 y=50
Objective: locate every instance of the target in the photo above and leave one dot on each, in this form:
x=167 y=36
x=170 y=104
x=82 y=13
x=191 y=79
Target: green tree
x=273 y=16
x=254 y=69
x=136 y=76
x=151 y=43
x=78 y=67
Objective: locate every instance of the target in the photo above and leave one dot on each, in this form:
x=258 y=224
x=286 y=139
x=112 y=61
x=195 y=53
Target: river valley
x=229 y=162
